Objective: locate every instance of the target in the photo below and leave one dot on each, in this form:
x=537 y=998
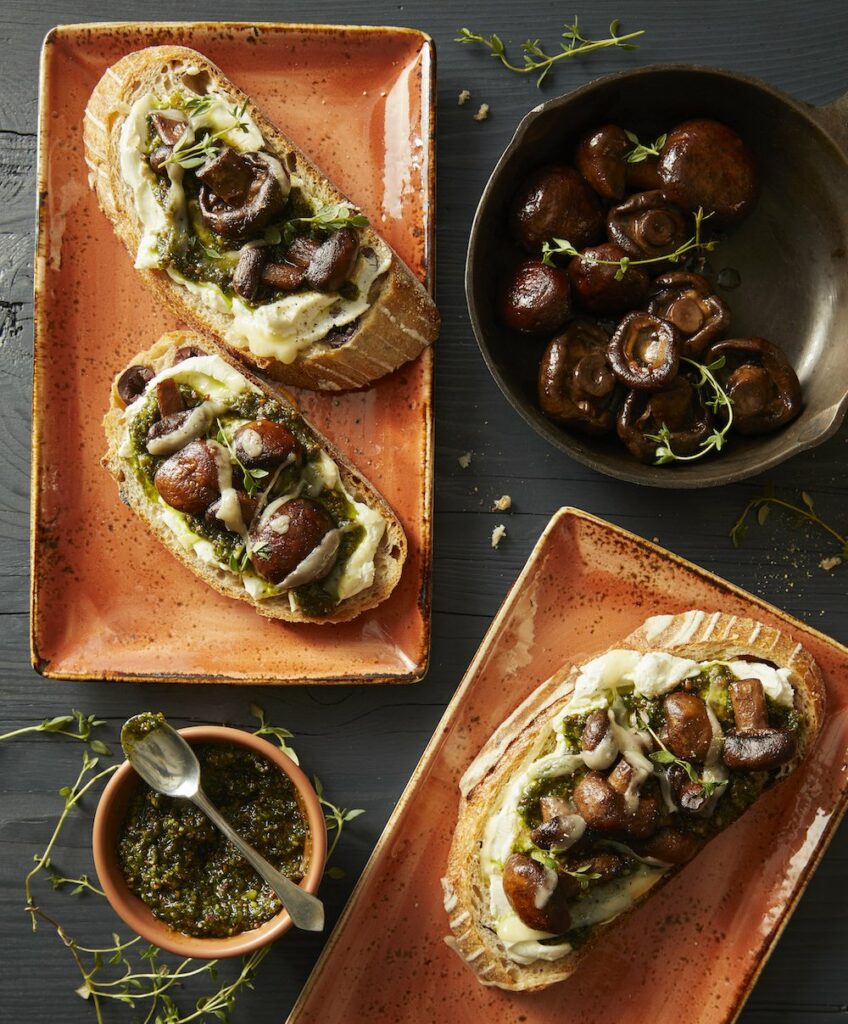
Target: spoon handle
x=305 y=910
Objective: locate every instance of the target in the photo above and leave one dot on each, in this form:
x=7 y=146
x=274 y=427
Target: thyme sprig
x=536 y=61
x=665 y=756
x=335 y=817
x=583 y=875
x=720 y=400
x=190 y=156
x=77 y=725
x=277 y=731
x=640 y=152
x=562 y=247
x=764 y=502
x=328 y=218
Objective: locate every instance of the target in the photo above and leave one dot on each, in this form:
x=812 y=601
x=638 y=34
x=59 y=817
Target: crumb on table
x=464 y=97
x=482 y=113
x=502 y=504
x=464 y=460
x=498 y=534
x=830 y=563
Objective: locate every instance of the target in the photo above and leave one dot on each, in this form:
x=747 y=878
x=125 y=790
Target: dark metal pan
x=790 y=253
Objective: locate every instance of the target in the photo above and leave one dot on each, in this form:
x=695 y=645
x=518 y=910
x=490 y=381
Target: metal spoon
x=167 y=764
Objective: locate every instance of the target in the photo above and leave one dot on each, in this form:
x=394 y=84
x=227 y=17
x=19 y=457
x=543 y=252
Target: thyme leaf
x=639 y=153
x=536 y=61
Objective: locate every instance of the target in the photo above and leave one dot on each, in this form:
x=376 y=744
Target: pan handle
x=834 y=117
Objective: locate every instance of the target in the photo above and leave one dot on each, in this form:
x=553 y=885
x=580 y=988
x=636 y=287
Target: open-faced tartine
x=240 y=488
x=610 y=777
x=235 y=229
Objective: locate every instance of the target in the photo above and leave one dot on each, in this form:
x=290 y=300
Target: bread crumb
x=464 y=460
x=498 y=534
x=502 y=504
x=464 y=97
x=482 y=113
x=830 y=563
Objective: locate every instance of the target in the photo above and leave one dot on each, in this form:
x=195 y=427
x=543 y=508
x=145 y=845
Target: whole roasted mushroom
x=677 y=407
x=598 y=285
x=536 y=298
x=760 y=382
x=283 y=538
x=704 y=164
x=647 y=225
x=555 y=202
x=644 y=352
x=534 y=892
x=576 y=384
x=601 y=159
x=689 y=302
x=754 y=745
x=241 y=193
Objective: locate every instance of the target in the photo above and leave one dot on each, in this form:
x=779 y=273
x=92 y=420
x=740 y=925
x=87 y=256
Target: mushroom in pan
x=689 y=302
x=760 y=382
x=188 y=479
x=647 y=225
x=595 y=286
x=601 y=159
x=644 y=352
x=677 y=406
x=536 y=298
x=287 y=535
x=535 y=894
x=576 y=385
x=241 y=193
x=754 y=745
x=704 y=164
x=555 y=202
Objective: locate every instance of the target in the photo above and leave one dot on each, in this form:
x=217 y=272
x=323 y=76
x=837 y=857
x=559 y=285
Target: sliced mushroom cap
x=188 y=480
x=687 y=731
x=187 y=352
x=169 y=127
x=228 y=174
x=689 y=302
x=759 y=750
x=132 y=382
x=536 y=298
x=263 y=199
x=644 y=352
x=704 y=164
x=690 y=796
x=600 y=158
x=576 y=384
x=760 y=382
x=595 y=287
x=247 y=277
x=555 y=202
x=286 y=535
x=647 y=225
x=158 y=160
x=534 y=893
x=677 y=406
x=169 y=397
x=333 y=261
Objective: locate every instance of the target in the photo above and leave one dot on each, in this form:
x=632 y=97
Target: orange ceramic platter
x=693 y=950
x=108 y=600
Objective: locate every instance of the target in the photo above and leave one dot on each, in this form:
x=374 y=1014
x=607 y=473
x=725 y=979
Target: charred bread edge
x=400 y=322
x=387 y=566
x=694 y=634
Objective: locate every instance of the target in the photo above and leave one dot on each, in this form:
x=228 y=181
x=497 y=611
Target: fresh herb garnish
x=764 y=502
x=562 y=247
x=641 y=152
x=335 y=818
x=536 y=61
x=203 y=149
x=277 y=731
x=64 y=725
x=198 y=105
x=328 y=218
x=252 y=477
x=583 y=875
x=717 y=438
x=665 y=756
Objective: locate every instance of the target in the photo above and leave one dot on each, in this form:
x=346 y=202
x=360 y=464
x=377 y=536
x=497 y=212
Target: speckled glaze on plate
x=107 y=600
x=692 y=952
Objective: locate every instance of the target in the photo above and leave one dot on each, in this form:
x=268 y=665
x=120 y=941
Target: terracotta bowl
x=790 y=252
x=110 y=815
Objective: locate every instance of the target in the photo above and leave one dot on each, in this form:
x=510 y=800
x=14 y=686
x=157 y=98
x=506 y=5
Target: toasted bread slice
x=395 y=317
x=141 y=496
x=527 y=735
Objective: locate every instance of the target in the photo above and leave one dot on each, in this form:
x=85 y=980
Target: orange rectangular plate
x=694 y=949
x=107 y=600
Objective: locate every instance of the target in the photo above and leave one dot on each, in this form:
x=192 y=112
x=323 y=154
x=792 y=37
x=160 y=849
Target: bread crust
x=402 y=319
x=694 y=634
x=390 y=555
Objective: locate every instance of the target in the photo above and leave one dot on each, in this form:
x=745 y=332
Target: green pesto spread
x=189 y=875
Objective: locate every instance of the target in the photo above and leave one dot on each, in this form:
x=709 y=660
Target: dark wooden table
x=365 y=742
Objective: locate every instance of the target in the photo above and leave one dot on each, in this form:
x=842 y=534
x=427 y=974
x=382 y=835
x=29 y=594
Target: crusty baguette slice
x=696 y=635
x=391 y=552
x=402 y=319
